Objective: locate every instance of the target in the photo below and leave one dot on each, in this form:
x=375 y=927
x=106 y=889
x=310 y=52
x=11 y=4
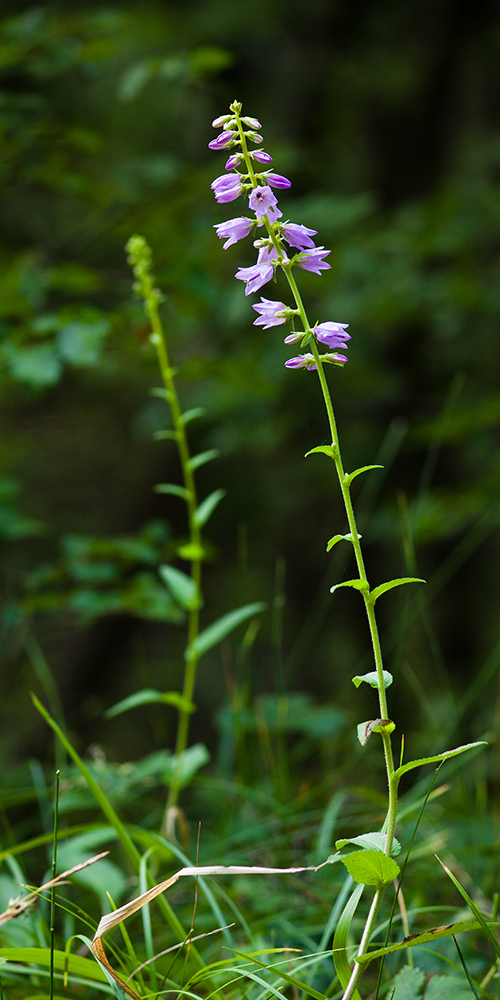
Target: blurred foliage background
x=385 y=116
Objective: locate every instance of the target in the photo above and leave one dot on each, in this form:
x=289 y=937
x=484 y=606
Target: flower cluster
x=244 y=177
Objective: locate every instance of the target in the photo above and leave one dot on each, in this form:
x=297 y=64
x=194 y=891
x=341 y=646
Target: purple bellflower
x=261 y=156
x=271 y=313
x=332 y=334
x=233 y=161
x=277 y=180
x=312 y=260
x=227 y=188
x=262 y=201
x=222 y=141
x=255 y=277
x=233 y=230
x=298 y=236
x=302 y=361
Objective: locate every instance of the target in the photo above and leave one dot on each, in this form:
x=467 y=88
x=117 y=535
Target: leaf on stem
x=207 y=507
x=440 y=756
x=173 y=489
x=191 y=552
x=384 y=587
x=192 y=414
x=148 y=696
x=371 y=868
x=182 y=587
x=165 y=435
x=357 y=472
x=372 y=679
x=202 y=458
x=370 y=842
x=339 y=538
x=322 y=449
x=219 y=629
x=361 y=585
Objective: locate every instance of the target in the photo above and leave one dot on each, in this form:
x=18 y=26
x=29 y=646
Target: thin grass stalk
x=53 y=889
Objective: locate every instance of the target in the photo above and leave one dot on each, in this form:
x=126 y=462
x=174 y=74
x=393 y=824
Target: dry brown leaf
x=110 y=920
x=19 y=906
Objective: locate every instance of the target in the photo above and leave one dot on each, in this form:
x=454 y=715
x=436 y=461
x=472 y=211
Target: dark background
x=385 y=116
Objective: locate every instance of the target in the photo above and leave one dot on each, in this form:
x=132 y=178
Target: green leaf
x=357 y=472
x=173 y=489
x=378 y=591
x=434 y=934
x=448 y=988
x=76 y=965
x=476 y=912
x=323 y=449
x=371 y=868
x=408 y=984
x=440 y=756
x=339 y=538
x=191 y=552
x=219 y=629
x=192 y=414
x=165 y=435
x=342 y=967
x=370 y=842
x=148 y=696
x=202 y=458
x=206 y=508
x=372 y=679
x=361 y=585
x=181 y=586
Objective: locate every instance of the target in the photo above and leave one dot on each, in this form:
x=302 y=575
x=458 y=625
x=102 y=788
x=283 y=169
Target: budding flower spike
x=244 y=177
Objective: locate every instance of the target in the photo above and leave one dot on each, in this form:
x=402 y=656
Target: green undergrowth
x=243 y=935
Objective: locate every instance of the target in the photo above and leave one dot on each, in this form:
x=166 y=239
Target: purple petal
x=278 y=181
x=255 y=277
x=298 y=236
x=222 y=141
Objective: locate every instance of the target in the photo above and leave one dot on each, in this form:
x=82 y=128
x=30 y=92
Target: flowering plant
x=288 y=247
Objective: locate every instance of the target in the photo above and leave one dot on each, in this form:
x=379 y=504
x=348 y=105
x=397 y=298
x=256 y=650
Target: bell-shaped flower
x=233 y=230
x=222 y=141
x=298 y=236
x=302 y=361
x=277 y=180
x=263 y=202
x=332 y=334
x=255 y=277
x=261 y=156
x=227 y=188
x=312 y=260
x=271 y=313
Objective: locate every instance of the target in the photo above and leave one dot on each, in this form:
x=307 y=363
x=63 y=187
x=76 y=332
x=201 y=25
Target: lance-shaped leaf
x=357 y=472
x=148 y=696
x=219 y=629
x=361 y=585
x=340 y=961
x=173 y=489
x=437 y=757
x=371 y=868
x=165 y=435
x=370 y=842
x=206 y=508
x=192 y=414
x=339 y=538
x=434 y=934
x=384 y=587
x=181 y=586
x=322 y=449
x=110 y=920
x=372 y=679
x=202 y=458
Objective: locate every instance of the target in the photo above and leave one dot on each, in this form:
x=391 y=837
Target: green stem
x=345 y=485
x=151 y=297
